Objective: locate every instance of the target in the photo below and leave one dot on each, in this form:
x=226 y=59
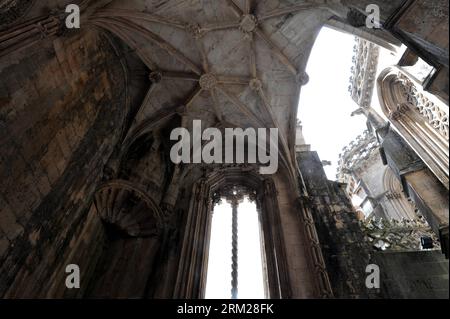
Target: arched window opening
x=236 y=267
x=195 y=254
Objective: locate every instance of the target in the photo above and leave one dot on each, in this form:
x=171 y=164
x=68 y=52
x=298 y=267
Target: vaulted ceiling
x=227 y=62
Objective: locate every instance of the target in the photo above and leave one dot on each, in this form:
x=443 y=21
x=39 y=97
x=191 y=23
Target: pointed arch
x=191 y=279
x=418 y=117
x=402 y=209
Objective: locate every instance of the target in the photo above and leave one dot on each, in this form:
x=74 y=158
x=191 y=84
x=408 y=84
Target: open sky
x=325 y=103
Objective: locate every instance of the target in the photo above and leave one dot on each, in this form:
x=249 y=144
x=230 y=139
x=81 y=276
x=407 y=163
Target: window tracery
x=419 y=118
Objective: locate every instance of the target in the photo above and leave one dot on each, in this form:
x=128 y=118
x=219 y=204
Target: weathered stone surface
x=427 y=37
x=438 y=84
x=341 y=238
x=11 y=10
x=49 y=189
x=397 y=154
x=4 y=245
x=413 y=275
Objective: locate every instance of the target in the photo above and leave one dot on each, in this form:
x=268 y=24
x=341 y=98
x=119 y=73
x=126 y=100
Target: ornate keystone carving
x=302 y=78
x=155 y=77
x=248 y=24
x=195 y=30
x=255 y=84
x=208 y=81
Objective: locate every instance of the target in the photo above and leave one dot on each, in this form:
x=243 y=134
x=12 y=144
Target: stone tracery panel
x=435 y=115
x=363 y=71
x=420 y=119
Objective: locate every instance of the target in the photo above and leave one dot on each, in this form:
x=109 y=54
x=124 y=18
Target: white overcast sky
x=325 y=103
x=250 y=273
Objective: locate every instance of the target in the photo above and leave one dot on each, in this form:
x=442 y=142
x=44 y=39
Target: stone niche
x=413 y=274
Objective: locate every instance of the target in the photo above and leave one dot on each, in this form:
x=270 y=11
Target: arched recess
x=128 y=207
x=191 y=278
x=402 y=209
x=156 y=121
x=144 y=156
x=135 y=230
x=419 y=118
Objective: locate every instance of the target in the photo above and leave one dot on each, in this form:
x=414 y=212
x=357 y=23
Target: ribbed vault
x=224 y=62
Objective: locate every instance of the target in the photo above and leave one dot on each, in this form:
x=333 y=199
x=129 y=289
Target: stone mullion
x=263 y=248
x=234 y=250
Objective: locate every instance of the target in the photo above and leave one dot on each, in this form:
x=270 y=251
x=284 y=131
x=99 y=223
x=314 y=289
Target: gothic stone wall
x=126 y=266
x=342 y=241
x=54 y=145
x=407 y=274
x=375 y=178
x=413 y=274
